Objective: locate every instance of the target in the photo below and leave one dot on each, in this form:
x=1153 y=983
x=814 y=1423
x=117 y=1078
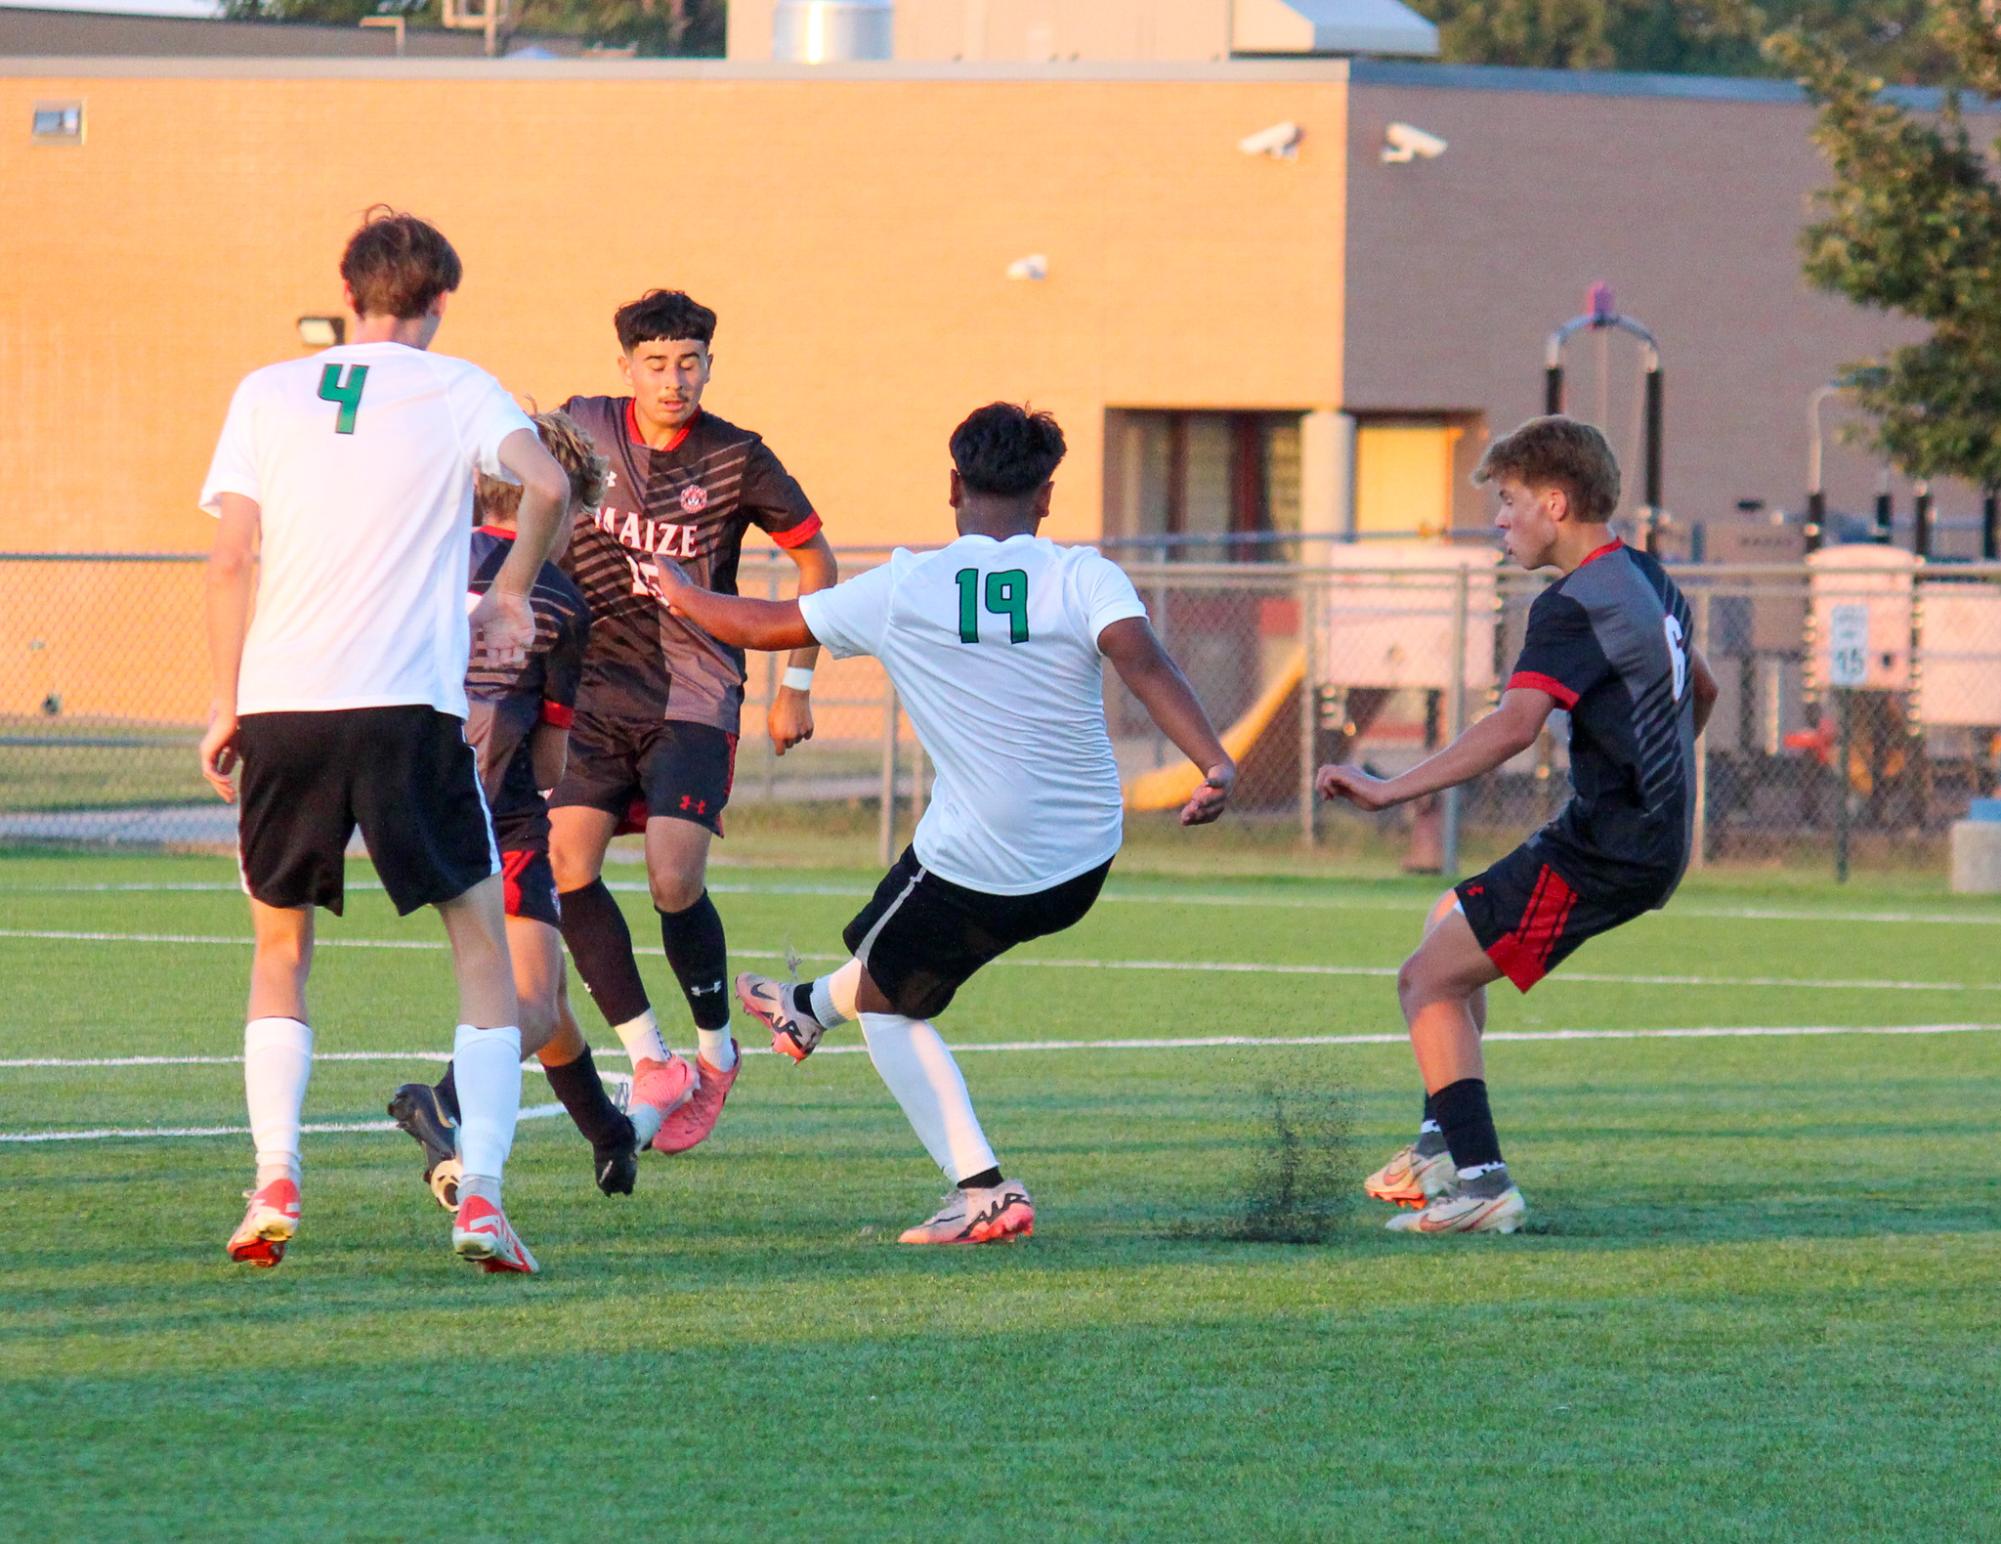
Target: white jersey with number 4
x=361 y=459
x=993 y=647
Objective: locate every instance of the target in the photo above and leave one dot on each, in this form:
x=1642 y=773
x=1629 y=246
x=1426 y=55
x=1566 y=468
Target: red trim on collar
x=505 y=533
x=1591 y=557
x=632 y=430
x=800 y=534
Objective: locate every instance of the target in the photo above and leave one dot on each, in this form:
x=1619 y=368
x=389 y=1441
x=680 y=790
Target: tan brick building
x=1233 y=340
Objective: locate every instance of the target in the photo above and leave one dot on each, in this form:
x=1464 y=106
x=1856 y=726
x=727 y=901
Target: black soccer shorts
x=530 y=886
x=1529 y=918
x=405 y=775
x=636 y=769
x=921 y=938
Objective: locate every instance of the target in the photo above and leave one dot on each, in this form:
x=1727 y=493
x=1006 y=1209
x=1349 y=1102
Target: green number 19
x=346 y=392
x=1007 y=596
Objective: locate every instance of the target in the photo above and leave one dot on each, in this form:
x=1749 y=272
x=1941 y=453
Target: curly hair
x=1007 y=450
x=663 y=314
x=574 y=453
x=1558 y=452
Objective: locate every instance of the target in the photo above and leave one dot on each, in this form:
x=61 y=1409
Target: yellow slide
x=1168 y=788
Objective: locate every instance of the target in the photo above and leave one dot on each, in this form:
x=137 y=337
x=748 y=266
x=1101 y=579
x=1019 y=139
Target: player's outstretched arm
x=734 y=619
x=503 y=623
x=791 y=717
x=1502 y=735
x=1152 y=676
x=232 y=580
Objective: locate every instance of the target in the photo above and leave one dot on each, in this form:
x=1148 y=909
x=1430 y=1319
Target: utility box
x=1390 y=622
x=1959 y=652
x=1879 y=578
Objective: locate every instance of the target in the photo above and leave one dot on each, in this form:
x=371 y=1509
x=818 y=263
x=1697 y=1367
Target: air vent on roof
x=833 y=31
x=1330 y=27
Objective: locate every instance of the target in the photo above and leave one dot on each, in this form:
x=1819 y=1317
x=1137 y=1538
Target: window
x=58 y=123
x=1201 y=479
x=1407 y=477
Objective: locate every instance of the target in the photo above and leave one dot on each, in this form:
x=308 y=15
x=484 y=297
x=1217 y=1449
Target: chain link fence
x=1860 y=711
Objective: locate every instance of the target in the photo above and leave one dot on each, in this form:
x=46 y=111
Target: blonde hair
x=574 y=453
x=1558 y=452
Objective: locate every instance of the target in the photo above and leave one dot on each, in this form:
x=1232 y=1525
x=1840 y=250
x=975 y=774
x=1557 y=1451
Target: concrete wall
x=1689 y=205
x=853 y=233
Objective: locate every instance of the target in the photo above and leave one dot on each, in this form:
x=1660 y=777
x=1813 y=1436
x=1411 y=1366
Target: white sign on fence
x=1847 y=645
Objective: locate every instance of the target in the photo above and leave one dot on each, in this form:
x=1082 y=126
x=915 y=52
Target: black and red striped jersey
x=691 y=501
x=504 y=706
x=1609 y=641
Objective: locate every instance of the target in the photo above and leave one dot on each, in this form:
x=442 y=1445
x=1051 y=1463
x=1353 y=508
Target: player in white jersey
x=996 y=644
x=343 y=485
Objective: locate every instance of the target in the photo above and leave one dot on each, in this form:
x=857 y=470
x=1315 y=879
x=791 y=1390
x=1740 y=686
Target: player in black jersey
x=654 y=743
x=518 y=723
x=1608 y=643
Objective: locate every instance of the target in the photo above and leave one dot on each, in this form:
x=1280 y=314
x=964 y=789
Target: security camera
x=1033 y=266
x=1280 y=141
x=1407 y=142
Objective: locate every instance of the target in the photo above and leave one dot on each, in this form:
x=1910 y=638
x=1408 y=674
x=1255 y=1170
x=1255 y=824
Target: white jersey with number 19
x=361 y=459
x=993 y=647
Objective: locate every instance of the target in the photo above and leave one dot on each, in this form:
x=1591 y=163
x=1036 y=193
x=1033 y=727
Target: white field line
x=1188 y=1043
x=1707 y=909
x=1186 y=967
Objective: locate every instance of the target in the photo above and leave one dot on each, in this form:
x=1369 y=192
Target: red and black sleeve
x=1561 y=655
x=773 y=500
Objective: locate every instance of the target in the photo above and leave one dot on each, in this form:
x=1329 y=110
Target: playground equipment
x=1603 y=315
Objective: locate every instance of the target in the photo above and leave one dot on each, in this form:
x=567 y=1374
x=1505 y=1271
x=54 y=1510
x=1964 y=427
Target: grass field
x=1759 y=1299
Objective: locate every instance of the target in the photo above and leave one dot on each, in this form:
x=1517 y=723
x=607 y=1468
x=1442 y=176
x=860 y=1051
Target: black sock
x=802 y=1000
x=986 y=1179
x=1461 y=1109
x=601 y=944
x=580 y=1088
x=1430 y=1109
x=447 y=1090
x=700 y=959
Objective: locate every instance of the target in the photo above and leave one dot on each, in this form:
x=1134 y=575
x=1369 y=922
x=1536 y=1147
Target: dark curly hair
x=1006 y=450
x=660 y=315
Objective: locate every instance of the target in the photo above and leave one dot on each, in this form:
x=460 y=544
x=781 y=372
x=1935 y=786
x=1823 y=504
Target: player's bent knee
x=675 y=892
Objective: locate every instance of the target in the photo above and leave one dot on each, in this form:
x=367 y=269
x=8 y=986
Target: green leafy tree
x=1709 y=37
x=654 y=27
x=1911 y=226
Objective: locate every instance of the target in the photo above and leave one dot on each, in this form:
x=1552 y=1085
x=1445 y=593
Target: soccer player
x=653 y=746
x=519 y=729
x=997 y=645
x=343 y=485
x=1609 y=643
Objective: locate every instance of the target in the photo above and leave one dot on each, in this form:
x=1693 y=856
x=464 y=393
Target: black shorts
x=529 y=886
x=1529 y=918
x=405 y=775
x=637 y=769
x=921 y=937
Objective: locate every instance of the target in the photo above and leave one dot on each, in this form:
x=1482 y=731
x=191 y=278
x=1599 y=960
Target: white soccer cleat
x=1411 y=1178
x=1462 y=1211
x=992 y=1215
x=769 y=1001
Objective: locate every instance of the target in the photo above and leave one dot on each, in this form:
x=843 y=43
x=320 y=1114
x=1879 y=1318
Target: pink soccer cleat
x=482 y=1237
x=658 y=1090
x=690 y=1125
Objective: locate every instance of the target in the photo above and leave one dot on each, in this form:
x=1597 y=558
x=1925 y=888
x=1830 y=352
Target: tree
x=1911 y=226
x=655 y=27
x=1709 y=37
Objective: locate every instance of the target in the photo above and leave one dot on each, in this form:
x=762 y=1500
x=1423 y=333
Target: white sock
x=641 y=1038
x=834 y=995
x=916 y=1067
x=277 y=1066
x=488 y=1063
x=718 y=1047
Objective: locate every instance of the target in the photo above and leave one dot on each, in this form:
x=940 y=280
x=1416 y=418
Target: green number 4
x=346 y=392
x=1007 y=596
